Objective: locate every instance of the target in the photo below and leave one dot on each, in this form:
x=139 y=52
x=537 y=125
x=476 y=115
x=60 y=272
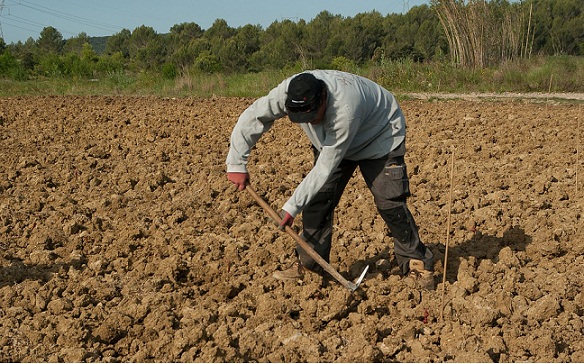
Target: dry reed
x=479 y=36
x=448 y=224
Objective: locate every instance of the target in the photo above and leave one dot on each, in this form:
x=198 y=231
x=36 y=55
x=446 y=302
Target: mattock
x=352 y=286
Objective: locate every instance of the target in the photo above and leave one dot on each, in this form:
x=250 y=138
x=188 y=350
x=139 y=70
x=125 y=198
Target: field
x=122 y=240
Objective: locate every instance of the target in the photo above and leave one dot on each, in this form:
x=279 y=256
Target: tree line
x=469 y=33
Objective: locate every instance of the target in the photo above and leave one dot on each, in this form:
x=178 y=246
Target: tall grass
x=538 y=74
x=522 y=75
x=234 y=85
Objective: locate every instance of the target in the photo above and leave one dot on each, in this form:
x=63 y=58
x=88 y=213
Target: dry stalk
x=526 y=52
x=480 y=35
x=447 y=234
x=577 y=154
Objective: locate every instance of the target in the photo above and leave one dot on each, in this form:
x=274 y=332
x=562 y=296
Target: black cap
x=303 y=99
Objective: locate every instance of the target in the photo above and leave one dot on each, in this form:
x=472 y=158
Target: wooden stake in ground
x=577 y=155
x=447 y=234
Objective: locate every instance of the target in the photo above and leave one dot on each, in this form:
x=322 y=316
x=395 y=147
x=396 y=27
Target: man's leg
x=387 y=178
x=407 y=243
x=317 y=216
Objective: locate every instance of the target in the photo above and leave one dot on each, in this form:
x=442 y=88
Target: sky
x=23 y=19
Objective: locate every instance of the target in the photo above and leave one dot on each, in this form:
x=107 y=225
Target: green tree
x=183 y=33
x=220 y=30
x=181 y=49
x=558 y=26
x=88 y=54
x=79 y=63
x=52 y=65
x=50 y=41
x=217 y=38
x=27 y=53
x=76 y=44
x=147 y=48
x=397 y=42
x=8 y=63
x=281 y=44
x=238 y=51
x=119 y=43
x=428 y=37
x=316 y=38
x=111 y=63
x=208 y=63
x=362 y=35
x=416 y=35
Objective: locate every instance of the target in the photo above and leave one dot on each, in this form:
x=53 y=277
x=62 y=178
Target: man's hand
x=239 y=179
x=287 y=220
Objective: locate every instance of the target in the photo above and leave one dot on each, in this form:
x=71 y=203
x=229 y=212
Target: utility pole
x=406 y=4
x=1 y=8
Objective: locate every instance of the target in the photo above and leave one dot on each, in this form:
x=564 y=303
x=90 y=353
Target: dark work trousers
x=388 y=181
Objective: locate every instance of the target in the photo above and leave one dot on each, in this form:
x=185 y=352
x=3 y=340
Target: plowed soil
x=122 y=240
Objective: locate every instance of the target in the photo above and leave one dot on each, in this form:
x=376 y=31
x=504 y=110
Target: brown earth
x=122 y=240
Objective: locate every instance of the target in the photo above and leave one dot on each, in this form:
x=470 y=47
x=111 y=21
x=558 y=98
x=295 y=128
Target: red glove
x=287 y=220
x=239 y=179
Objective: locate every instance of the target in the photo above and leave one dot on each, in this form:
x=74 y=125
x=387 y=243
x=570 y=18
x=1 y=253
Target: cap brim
x=303 y=117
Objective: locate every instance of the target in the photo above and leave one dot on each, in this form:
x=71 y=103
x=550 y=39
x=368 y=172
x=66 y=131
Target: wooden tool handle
x=303 y=244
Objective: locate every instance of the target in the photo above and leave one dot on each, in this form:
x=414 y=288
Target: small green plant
x=169 y=71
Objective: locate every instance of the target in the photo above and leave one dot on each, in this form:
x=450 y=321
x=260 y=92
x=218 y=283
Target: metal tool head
x=354 y=286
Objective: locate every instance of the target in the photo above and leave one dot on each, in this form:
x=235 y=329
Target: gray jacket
x=362 y=121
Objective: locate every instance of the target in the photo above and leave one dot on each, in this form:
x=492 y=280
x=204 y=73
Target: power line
x=61 y=12
x=102 y=7
x=20 y=20
x=69 y=17
x=47 y=13
x=19 y=27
